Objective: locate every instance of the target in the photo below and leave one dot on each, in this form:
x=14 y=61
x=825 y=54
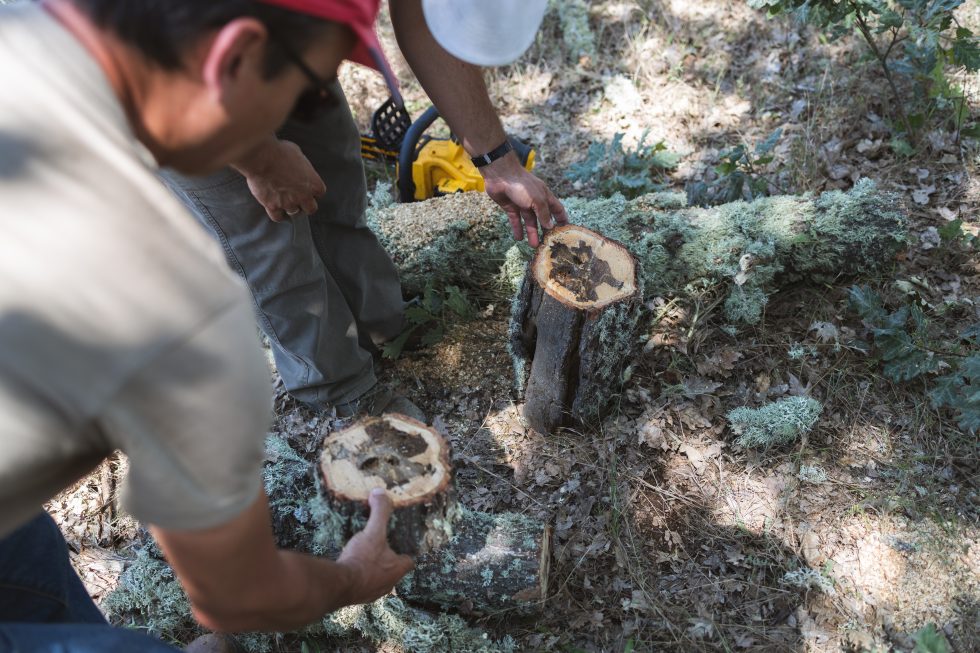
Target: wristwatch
x=492 y=155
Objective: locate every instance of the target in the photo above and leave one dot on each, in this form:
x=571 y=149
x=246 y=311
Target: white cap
x=484 y=32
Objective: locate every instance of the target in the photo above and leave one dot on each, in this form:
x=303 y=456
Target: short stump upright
x=409 y=460
x=573 y=326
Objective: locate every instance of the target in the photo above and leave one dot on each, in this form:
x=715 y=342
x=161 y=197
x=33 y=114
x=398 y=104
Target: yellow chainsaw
x=426 y=166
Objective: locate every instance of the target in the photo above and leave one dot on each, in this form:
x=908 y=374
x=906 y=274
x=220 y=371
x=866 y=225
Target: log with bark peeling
x=578 y=285
x=492 y=563
x=409 y=460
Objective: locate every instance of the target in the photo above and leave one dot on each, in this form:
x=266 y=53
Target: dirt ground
x=667 y=536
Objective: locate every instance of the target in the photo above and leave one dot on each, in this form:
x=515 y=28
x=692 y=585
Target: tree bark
x=492 y=563
x=409 y=460
x=573 y=326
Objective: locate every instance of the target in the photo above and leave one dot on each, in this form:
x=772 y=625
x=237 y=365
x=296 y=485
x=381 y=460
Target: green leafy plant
x=952 y=234
x=906 y=343
x=631 y=172
x=929 y=640
x=917 y=40
x=427 y=319
x=739 y=175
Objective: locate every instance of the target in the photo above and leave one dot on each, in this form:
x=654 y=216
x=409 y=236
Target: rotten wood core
x=576 y=279
x=584 y=270
x=406 y=458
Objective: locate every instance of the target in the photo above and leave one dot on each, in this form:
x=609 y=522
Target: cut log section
x=574 y=325
x=492 y=563
x=409 y=460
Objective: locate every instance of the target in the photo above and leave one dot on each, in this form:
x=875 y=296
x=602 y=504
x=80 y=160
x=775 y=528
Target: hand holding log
x=374 y=567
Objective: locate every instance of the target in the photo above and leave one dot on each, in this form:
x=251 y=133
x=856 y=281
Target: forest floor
x=667 y=536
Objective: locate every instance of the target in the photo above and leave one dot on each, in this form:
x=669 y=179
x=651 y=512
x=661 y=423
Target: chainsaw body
x=426 y=166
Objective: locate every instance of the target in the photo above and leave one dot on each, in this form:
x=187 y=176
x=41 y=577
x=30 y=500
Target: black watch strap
x=492 y=155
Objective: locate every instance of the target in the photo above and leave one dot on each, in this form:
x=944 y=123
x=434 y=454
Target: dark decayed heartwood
x=409 y=460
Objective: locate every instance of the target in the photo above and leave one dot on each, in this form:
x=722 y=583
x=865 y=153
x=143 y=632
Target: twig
x=882 y=59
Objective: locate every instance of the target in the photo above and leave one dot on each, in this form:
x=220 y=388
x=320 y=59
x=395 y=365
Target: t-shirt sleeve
x=193 y=425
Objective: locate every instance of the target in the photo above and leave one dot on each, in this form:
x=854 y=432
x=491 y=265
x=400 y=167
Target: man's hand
x=375 y=567
x=282 y=179
x=525 y=199
x=238 y=580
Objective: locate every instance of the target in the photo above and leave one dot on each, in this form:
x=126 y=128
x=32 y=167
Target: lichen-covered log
x=150 y=597
x=409 y=460
x=749 y=249
x=574 y=325
x=457 y=239
x=492 y=563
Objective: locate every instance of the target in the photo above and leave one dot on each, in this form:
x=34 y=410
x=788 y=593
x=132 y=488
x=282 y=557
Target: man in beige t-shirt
x=120 y=325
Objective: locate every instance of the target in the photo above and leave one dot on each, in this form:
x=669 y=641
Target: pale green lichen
x=149 y=597
x=742 y=247
x=781 y=422
x=515 y=264
x=379 y=201
x=745 y=304
x=328 y=535
x=850 y=231
x=796 y=352
x=392 y=622
x=613 y=331
x=577 y=36
x=809 y=579
x=812 y=474
x=742 y=250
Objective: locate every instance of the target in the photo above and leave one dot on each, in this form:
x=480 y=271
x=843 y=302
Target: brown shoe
x=215 y=643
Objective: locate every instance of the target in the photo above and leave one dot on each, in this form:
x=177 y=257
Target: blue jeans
x=44 y=607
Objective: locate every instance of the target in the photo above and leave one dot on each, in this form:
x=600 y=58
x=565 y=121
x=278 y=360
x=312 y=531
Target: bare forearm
x=300 y=590
x=455 y=87
x=238 y=580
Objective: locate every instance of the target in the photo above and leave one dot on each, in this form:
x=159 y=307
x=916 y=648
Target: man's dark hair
x=162 y=29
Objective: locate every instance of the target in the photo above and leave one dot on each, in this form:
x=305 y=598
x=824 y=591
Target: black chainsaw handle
x=406 y=186
x=410 y=147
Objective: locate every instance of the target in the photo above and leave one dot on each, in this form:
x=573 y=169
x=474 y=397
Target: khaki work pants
x=324 y=289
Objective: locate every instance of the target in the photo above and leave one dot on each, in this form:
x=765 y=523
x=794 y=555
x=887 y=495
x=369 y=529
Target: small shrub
x=739 y=175
x=631 y=173
x=781 y=422
x=906 y=342
x=430 y=316
x=955 y=238
x=919 y=41
x=929 y=639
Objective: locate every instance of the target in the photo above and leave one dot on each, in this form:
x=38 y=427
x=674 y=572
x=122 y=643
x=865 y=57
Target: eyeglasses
x=314 y=102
